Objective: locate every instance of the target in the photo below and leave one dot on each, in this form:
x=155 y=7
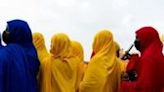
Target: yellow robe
x=103 y=73
x=59 y=71
x=39 y=44
x=77 y=50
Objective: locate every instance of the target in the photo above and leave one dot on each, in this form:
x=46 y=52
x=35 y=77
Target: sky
x=82 y=19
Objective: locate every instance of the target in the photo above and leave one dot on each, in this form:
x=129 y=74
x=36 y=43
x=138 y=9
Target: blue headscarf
x=20 y=33
x=19 y=60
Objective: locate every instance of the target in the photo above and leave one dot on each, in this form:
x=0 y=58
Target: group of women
x=27 y=66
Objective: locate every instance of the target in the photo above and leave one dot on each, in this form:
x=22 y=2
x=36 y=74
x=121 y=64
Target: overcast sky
x=81 y=19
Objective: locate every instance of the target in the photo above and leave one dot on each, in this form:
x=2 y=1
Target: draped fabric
x=103 y=72
x=19 y=61
x=77 y=50
x=59 y=71
x=39 y=43
x=151 y=62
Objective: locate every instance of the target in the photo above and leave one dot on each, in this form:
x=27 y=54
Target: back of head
x=20 y=32
x=103 y=42
x=60 y=45
x=104 y=48
x=104 y=63
x=38 y=40
x=77 y=50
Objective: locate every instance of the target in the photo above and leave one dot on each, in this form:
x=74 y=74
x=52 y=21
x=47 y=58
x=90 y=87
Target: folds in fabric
x=102 y=74
x=61 y=66
x=151 y=62
x=20 y=60
x=39 y=44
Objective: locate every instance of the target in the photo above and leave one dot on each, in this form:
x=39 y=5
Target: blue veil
x=19 y=63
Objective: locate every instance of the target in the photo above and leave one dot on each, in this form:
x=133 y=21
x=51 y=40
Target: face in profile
x=5 y=35
x=137 y=43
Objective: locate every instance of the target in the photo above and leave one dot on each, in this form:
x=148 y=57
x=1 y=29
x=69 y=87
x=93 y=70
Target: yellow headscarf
x=103 y=70
x=39 y=44
x=77 y=50
x=162 y=38
x=60 y=70
x=60 y=45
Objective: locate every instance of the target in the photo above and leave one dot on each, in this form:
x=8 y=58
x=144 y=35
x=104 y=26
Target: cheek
x=5 y=36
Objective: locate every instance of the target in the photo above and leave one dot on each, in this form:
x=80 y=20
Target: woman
x=148 y=65
x=59 y=72
x=103 y=72
x=19 y=61
x=77 y=50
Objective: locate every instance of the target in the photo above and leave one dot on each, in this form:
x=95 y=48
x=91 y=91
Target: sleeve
x=133 y=63
x=94 y=78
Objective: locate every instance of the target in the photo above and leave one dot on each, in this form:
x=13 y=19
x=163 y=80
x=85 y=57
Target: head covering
x=60 y=45
x=39 y=43
x=21 y=58
x=102 y=40
x=104 y=62
x=77 y=50
x=150 y=44
x=162 y=38
x=149 y=65
x=60 y=70
x=19 y=32
x=147 y=36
